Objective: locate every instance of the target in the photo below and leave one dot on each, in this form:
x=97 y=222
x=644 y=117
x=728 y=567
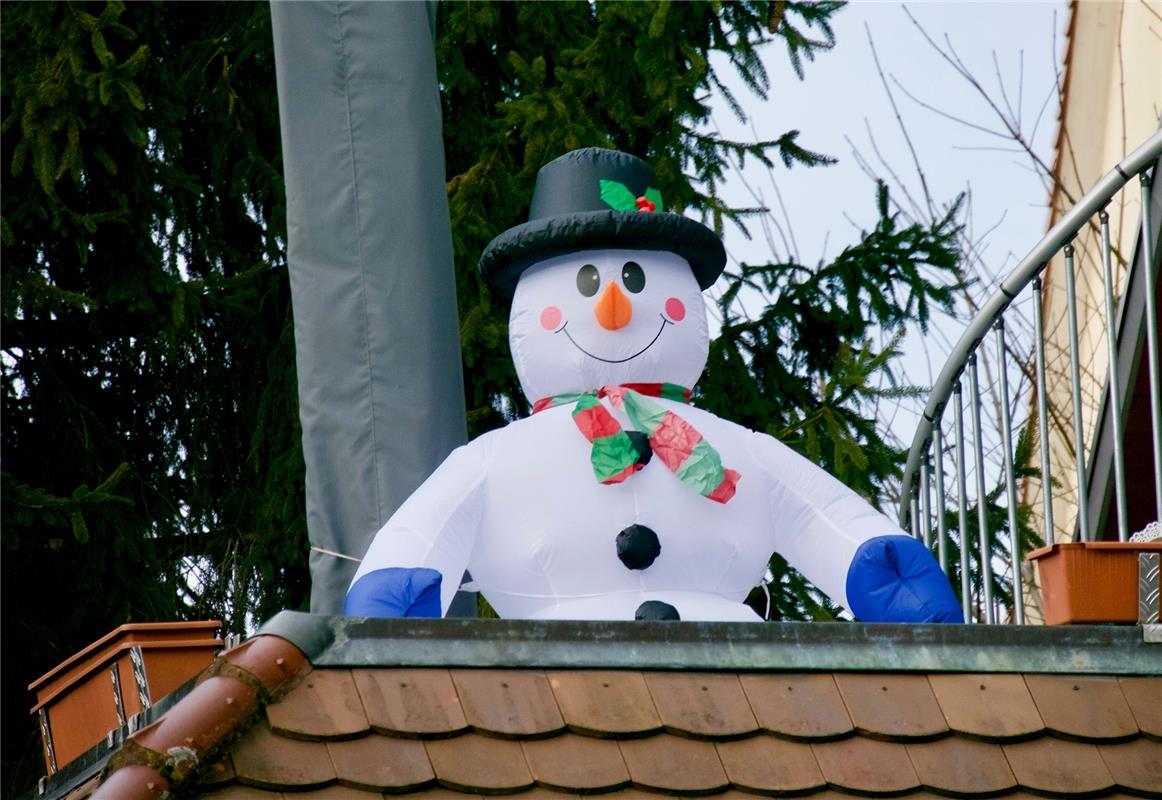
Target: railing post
x=1075 y=391
x=1152 y=342
x=986 y=570
x=1010 y=480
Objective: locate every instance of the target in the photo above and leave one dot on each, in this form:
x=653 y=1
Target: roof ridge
x=226 y=701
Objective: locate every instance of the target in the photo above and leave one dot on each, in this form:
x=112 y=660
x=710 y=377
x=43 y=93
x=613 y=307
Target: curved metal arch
x=1029 y=268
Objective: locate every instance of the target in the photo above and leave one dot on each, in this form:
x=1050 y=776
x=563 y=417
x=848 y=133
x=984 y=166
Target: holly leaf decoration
x=655 y=197
x=617 y=196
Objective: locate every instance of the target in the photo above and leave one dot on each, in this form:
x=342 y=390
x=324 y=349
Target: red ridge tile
x=325 y=705
x=866 y=765
x=272 y=762
x=992 y=706
x=133 y=782
x=674 y=765
x=381 y=763
x=1144 y=696
x=1057 y=767
x=1135 y=765
x=702 y=704
x=960 y=766
x=473 y=763
x=892 y=706
x=576 y=763
x=603 y=703
x=797 y=706
x=508 y=702
x=415 y=703
x=766 y=764
x=1087 y=707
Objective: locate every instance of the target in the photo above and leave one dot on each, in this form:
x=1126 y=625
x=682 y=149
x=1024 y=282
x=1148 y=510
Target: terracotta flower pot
x=1090 y=581
x=124 y=672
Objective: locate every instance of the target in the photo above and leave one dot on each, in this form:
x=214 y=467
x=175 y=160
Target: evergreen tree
x=151 y=465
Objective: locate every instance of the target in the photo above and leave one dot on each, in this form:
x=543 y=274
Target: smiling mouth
x=661 y=328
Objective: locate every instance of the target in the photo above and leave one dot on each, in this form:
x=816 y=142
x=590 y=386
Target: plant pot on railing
x=1090 y=581
x=120 y=675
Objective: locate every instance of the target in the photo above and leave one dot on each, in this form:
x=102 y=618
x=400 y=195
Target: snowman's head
x=595 y=317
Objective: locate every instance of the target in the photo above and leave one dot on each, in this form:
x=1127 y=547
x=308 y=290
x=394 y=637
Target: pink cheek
x=675 y=310
x=551 y=318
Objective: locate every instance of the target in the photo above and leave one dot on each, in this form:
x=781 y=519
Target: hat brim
x=512 y=252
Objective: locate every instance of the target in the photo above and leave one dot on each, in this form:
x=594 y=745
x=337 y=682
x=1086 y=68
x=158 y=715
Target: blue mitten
x=395 y=592
x=896 y=579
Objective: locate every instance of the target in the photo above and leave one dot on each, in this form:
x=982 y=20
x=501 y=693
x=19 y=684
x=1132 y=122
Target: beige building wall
x=1111 y=102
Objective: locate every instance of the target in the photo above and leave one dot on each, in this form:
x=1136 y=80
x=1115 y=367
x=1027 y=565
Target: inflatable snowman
x=616 y=499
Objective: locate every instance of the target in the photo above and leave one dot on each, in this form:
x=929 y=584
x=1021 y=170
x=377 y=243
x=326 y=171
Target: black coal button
x=638 y=546
x=656 y=609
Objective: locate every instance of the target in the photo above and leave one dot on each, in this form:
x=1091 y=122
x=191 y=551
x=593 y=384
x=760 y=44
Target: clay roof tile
x=892 y=706
x=991 y=707
x=410 y=702
x=767 y=765
x=674 y=765
x=1058 y=768
x=605 y=703
x=1088 y=708
x=508 y=703
x=382 y=764
x=325 y=705
x=473 y=763
x=797 y=706
x=576 y=763
x=702 y=704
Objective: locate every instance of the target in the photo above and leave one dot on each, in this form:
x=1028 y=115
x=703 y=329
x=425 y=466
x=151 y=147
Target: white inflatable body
x=521 y=509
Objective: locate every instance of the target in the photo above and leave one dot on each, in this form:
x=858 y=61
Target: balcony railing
x=946 y=500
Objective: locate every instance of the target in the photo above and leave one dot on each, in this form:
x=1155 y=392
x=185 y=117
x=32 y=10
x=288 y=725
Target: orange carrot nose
x=613 y=309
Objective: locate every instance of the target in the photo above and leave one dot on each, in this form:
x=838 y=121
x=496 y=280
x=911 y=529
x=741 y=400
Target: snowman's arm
x=414 y=564
x=855 y=554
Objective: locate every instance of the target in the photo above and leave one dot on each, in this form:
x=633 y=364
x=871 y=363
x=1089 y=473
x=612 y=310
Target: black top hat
x=598 y=198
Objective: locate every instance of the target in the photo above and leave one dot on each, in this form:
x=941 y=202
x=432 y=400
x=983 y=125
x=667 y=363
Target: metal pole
x=1010 y=479
x=1075 y=388
x=986 y=572
x=1115 y=394
x=962 y=508
x=1152 y=342
x=925 y=505
x=941 y=528
x=1043 y=413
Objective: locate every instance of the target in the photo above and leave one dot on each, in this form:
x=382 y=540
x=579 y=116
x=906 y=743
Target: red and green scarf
x=672 y=439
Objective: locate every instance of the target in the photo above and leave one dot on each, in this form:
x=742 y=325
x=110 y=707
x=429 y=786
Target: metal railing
x=945 y=520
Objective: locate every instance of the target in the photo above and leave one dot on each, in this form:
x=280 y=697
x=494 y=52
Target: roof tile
x=702 y=704
x=410 y=702
x=572 y=762
x=217 y=774
x=866 y=765
x=324 y=706
x=991 y=706
x=508 y=702
x=473 y=763
x=961 y=766
x=1088 y=707
x=797 y=706
x=1135 y=765
x=237 y=792
x=673 y=764
x=380 y=763
x=337 y=793
x=767 y=764
x=602 y=703
x=1058 y=767
x=892 y=706
x=268 y=761
x=1144 y=696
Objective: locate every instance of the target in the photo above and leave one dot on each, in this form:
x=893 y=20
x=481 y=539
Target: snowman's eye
x=632 y=276
x=588 y=280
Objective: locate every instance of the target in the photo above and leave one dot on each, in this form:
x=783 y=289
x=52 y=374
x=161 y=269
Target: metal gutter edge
x=785 y=646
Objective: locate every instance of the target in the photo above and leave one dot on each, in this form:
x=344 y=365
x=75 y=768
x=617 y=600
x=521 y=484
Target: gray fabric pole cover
x=370 y=255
